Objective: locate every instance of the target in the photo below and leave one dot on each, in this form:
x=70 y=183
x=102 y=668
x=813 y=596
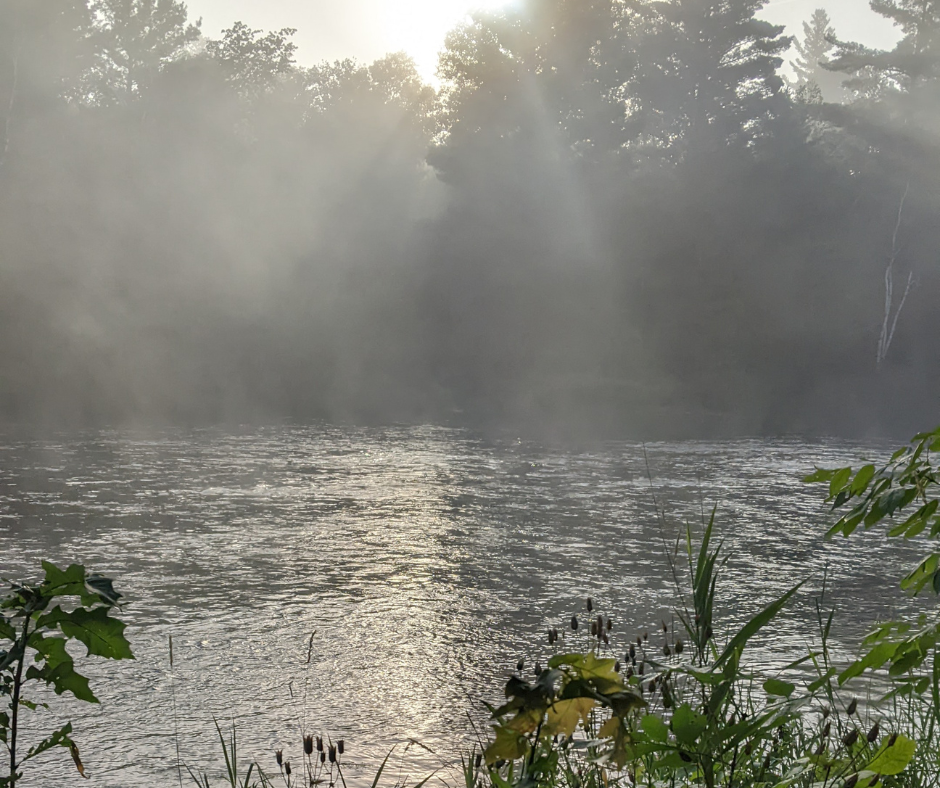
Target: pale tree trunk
x=891 y=315
x=11 y=105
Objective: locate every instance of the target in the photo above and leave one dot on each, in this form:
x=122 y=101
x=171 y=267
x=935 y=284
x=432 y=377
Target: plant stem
x=15 y=701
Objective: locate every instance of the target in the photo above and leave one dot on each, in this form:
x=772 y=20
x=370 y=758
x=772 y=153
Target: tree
x=135 y=40
x=252 y=61
x=813 y=56
x=706 y=74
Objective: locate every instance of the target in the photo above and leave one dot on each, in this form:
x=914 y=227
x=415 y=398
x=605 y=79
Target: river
x=426 y=560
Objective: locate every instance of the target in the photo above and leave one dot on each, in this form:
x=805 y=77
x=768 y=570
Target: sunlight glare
x=419 y=27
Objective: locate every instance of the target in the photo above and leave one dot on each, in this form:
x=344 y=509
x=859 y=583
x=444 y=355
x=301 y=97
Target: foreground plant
x=683 y=710
x=35 y=630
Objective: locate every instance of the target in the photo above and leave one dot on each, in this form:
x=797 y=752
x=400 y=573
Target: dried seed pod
x=555 y=634
x=874 y=781
x=708 y=632
x=826 y=711
x=748 y=748
x=629 y=673
x=632 y=652
x=665 y=628
x=617 y=666
x=590 y=604
x=639 y=641
x=679 y=647
x=685 y=756
x=850 y=781
x=646 y=636
x=550 y=639
x=322 y=757
x=826 y=730
x=853 y=705
x=610 y=624
x=850 y=738
x=766 y=764
x=873 y=733
x=332 y=755
x=287 y=768
x=593 y=629
x=538 y=669
x=666 y=651
x=340 y=746
x=653 y=686
x=641 y=668
x=319 y=744
x=520 y=665
x=279 y=757
x=893 y=740
x=478 y=760
x=308 y=745
x=574 y=623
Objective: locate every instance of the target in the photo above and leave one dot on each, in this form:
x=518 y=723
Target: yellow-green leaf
x=564 y=715
x=893 y=759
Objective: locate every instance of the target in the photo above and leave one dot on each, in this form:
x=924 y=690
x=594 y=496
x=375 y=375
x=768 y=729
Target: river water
x=426 y=560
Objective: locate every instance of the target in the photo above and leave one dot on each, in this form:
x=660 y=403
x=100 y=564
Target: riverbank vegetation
x=678 y=704
x=608 y=216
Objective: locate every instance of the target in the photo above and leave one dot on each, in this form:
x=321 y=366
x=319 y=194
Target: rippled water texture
x=427 y=560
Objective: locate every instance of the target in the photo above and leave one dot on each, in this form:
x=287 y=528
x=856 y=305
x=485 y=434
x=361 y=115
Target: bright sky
x=368 y=29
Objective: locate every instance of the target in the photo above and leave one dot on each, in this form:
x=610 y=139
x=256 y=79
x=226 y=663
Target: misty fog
x=612 y=217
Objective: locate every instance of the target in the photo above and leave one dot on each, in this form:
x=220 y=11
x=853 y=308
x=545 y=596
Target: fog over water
x=599 y=224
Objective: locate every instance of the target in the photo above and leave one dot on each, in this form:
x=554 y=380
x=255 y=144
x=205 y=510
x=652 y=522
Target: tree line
x=612 y=217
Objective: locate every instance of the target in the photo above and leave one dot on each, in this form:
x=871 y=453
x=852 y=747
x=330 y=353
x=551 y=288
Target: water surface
x=427 y=561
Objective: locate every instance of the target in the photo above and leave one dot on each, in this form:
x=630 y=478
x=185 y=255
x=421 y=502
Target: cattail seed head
x=593 y=629
x=332 y=755
x=279 y=757
x=590 y=604
x=308 y=745
x=340 y=746
x=322 y=757
x=287 y=769
x=555 y=634
x=574 y=623
x=873 y=733
x=853 y=705
x=319 y=744
x=850 y=738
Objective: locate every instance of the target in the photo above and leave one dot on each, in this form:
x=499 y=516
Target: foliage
x=35 y=630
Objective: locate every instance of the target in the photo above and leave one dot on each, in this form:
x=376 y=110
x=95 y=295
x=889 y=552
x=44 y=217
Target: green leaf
x=101 y=634
x=916 y=580
x=873 y=660
x=783 y=689
x=894 y=759
x=819 y=475
x=507 y=746
x=755 y=625
x=58 y=739
x=68 y=582
x=862 y=478
x=839 y=479
x=687 y=724
x=655 y=728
